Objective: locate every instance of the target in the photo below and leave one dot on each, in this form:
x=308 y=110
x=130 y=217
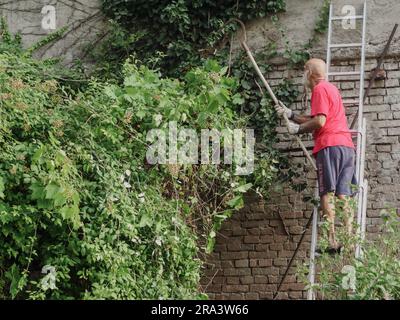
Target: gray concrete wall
x=85 y=22
x=301 y=16
x=82 y=17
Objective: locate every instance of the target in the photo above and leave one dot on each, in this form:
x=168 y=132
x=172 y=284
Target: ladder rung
x=354 y=132
x=348 y=73
x=345 y=45
x=351 y=101
x=346 y=17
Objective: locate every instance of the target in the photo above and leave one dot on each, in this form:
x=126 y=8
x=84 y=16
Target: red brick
x=247 y=280
x=236 y=246
x=234 y=255
x=276 y=246
x=226 y=264
x=214 y=288
x=251 y=239
x=232 y=280
x=266 y=239
x=280 y=262
x=296 y=229
x=266 y=230
x=220 y=247
x=252 y=296
x=253 y=262
x=261 y=255
x=219 y=280
x=262 y=247
x=296 y=295
x=254 y=231
x=282 y=296
x=292 y=287
x=236 y=288
x=265 y=262
x=266 y=295
x=261 y=279
x=242 y=263
x=239 y=232
x=237 y=272
x=285 y=254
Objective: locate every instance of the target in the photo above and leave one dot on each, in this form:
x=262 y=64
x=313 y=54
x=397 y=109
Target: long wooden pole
x=271 y=93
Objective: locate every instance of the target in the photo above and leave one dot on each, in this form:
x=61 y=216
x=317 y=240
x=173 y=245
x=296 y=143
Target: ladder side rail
x=314 y=236
x=361 y=200
x=361 y=93
x=364 y=214
x=361 y=139
x=328 y=49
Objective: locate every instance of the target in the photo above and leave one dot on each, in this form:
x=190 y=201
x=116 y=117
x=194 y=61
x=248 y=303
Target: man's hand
x=281 y=109
x=293 y=128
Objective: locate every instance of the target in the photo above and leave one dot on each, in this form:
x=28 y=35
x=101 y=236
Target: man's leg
x=348 y=213
x=328 y=210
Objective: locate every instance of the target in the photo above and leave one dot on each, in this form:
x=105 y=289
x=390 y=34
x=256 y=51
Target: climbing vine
x=180 y=32
x=78 y=199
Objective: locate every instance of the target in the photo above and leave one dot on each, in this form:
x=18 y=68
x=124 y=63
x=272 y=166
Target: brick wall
x=253 y=248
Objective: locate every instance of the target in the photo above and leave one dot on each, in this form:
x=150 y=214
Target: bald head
x=317 y=67
x=315 y=70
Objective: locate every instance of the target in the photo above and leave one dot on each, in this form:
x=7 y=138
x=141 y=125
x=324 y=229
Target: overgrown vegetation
x=82 y=215
x=79 y=201
x=178 y=34
x=375 y=275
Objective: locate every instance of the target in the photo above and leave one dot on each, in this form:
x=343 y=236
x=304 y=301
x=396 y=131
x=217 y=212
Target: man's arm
x=299 y=118
x=312 y=124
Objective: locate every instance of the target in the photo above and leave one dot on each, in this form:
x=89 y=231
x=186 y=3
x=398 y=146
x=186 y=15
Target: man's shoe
x=329 y=250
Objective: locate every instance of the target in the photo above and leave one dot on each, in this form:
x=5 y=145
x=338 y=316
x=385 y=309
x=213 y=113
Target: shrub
x=374 y=275
x=82 y=215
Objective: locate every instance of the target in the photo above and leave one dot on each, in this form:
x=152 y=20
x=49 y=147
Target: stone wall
x=300 y=18
x=255 y=245
x=83 y=19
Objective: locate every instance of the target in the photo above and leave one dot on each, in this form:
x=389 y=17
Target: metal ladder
x=361 y=139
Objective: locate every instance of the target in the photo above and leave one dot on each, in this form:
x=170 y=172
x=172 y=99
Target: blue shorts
x=336 y=170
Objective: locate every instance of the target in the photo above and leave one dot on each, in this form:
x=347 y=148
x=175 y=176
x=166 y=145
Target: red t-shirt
x=326 y=100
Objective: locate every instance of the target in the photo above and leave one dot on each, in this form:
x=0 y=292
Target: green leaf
x=141 y=114
x=51 y=189
x=145 y=221
x=38 y=154
x=18 y=280
x=243 y=188
x=236 y=202
x=71 y=213
x=38 y=191
x=59 y=198
x=210 y=245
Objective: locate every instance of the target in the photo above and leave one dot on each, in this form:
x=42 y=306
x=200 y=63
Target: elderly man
x=333 y=147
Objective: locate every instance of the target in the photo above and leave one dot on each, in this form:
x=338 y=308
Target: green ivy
x=184 y=32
